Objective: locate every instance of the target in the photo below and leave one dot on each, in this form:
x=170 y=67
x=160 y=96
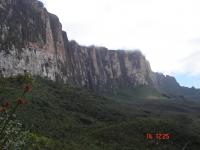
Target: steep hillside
x=89 y=98
x=62 y=117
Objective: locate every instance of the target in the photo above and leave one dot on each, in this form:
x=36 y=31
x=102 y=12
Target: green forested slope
x=63 y=117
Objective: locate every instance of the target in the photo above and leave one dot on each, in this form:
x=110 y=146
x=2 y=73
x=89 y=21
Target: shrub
x=12 y=135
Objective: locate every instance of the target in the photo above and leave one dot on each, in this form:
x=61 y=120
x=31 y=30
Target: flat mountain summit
x=32 y=40
x=88 y=97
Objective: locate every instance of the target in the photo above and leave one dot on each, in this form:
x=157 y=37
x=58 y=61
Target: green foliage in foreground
x=12 y=135
x=62 y=117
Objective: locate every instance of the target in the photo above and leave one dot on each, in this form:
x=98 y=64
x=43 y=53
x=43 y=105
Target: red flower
x=21 y=101
x=6 y=105
x=27 y=88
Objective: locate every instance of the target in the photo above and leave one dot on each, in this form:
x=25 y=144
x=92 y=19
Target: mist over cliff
x=32 y=40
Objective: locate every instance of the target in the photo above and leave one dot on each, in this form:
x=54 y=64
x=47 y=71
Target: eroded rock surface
x=32 y=40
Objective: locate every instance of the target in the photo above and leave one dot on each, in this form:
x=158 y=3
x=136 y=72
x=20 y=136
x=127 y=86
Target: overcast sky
x=166 y=31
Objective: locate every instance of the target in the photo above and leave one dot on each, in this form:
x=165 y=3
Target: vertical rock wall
x=32 y=40
x=98 y=67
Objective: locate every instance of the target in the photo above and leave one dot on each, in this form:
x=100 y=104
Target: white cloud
x=166 y=31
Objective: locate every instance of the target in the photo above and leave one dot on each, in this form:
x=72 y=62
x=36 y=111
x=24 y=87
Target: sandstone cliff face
x=165 y=84
x=32 y=40
x=98 y=67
